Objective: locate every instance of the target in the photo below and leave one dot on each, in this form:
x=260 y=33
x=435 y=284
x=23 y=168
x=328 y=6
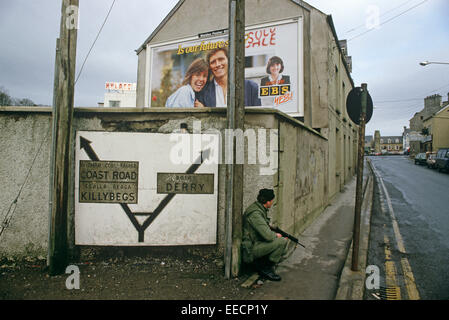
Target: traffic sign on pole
x=361 y=106
x=354 y=105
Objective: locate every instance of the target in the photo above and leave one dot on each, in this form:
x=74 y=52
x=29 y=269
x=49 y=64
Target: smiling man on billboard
x=215 y=93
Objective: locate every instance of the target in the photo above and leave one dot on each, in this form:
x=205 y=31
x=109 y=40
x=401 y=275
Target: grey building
x=323 y=74
x=432 y=104
x=417 y=138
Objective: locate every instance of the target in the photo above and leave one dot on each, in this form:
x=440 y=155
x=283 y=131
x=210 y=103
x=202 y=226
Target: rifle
x=286 y=235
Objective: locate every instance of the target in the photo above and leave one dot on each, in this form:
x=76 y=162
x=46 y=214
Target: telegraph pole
x=235 y=121
x=359 y=195
x=63 y=101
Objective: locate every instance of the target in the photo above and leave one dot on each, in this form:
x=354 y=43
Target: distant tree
x=24 y=102
x=7 y=100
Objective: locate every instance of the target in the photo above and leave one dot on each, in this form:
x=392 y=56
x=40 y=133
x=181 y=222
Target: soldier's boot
x=266 y=270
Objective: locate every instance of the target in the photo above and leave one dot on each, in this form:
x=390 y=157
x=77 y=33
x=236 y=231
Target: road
x=409 y=239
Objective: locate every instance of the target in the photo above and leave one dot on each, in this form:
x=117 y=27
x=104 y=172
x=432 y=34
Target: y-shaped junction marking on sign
x=85 y=144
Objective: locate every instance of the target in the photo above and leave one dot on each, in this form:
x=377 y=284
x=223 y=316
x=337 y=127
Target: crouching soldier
x=261 y=246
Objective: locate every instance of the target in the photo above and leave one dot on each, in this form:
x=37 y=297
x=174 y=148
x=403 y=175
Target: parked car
x=442 y=159
x=431 y=160
x=420 y=158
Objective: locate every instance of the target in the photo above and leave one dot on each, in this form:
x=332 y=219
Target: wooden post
x=63 y=100
x=359 y=195
x=235 y=121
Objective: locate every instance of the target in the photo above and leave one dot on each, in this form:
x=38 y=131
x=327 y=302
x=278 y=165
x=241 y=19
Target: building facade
x=432 y=104
x=428 y=127
x=120 y=94
x=437 y=129
x=322 y=75
x=385 y=144
x=391 y=144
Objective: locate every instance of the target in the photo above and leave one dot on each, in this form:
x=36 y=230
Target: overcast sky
x=386 y=57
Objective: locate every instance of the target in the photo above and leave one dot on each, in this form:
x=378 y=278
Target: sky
x=386 y=39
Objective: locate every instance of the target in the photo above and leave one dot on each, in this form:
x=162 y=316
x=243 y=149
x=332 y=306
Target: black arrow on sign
x=85 y=144
x=192 y=169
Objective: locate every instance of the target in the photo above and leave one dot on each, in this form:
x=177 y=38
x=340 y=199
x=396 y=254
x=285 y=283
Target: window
x=249 y=62
x=114 y=103
x=260 y=60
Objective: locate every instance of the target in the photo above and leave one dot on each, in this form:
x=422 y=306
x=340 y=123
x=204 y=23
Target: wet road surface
x=409 y=239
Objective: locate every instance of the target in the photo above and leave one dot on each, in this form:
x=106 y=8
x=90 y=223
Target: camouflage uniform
x=258 y=239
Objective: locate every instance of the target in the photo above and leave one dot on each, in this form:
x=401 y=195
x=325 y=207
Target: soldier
x=262 y=246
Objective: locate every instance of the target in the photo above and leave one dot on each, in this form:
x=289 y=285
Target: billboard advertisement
x=193 y=72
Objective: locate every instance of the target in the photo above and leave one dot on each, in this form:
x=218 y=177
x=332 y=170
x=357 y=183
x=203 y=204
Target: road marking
x=387 y=248
x=410 y=284
x=397 y=234
x=412 y=290
x=393 y=292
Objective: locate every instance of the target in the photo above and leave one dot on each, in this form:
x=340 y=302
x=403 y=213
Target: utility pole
x=359 y=195
x=63 y=100
x=235 y=121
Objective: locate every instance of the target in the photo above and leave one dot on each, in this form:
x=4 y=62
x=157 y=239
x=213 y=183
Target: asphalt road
x=409 y=239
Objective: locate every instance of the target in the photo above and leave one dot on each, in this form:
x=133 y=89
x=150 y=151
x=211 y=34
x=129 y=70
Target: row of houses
x=383 y=144
x=429 y=128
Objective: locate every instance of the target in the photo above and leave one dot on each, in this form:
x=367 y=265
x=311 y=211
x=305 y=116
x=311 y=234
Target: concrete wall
x=300 y=179
x=303 y=176
x=24 y=172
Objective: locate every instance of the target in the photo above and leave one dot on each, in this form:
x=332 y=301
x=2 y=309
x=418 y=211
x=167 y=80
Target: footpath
x=322 y=271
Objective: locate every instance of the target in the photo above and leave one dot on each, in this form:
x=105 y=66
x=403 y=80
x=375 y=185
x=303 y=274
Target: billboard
x=193 y=72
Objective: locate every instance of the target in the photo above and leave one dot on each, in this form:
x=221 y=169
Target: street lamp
x=425 y=63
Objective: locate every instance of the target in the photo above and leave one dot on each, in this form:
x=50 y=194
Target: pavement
x=322 y=271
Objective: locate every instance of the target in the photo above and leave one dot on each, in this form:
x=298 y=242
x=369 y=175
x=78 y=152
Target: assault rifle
x=286 y=235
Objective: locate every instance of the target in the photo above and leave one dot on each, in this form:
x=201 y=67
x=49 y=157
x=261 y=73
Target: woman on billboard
x=275 y=67
x=194 y=81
